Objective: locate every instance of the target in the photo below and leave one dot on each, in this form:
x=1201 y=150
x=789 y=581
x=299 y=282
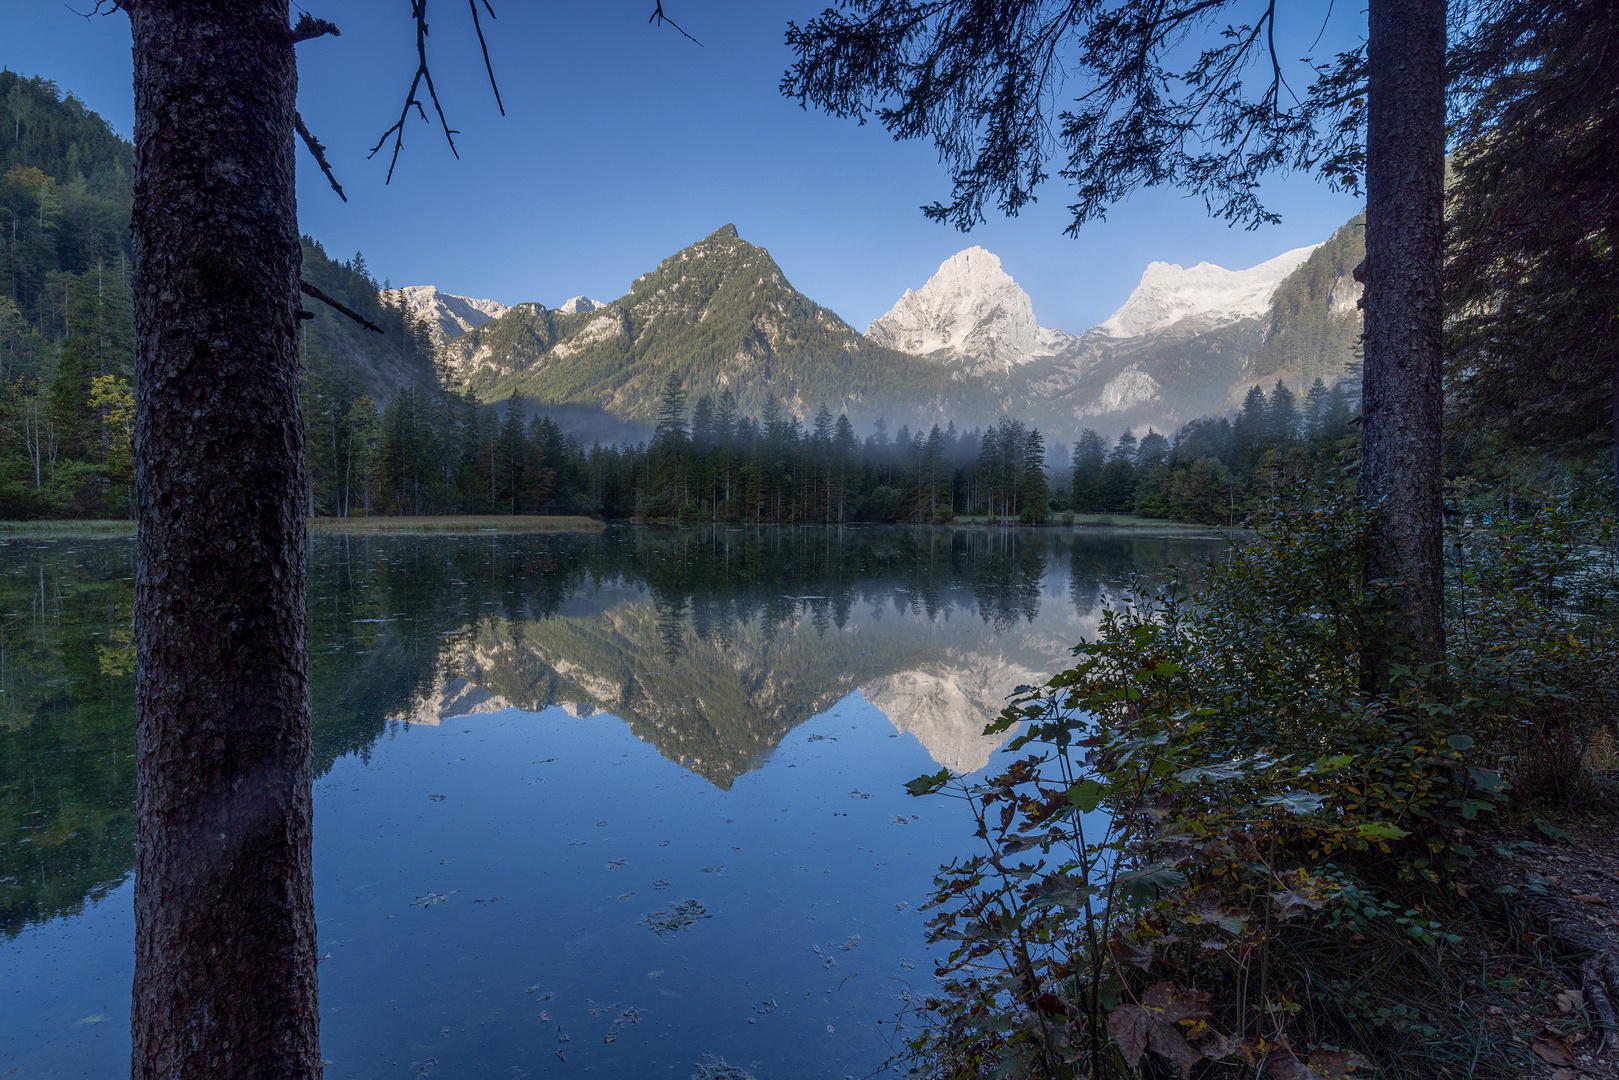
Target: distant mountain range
x=965 y=346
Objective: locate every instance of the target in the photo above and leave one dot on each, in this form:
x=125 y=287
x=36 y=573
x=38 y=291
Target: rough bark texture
x=224 y=901
x=1402 y=399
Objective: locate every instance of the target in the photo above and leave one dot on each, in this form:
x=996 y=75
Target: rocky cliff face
x=970 y=310
x=450 y=315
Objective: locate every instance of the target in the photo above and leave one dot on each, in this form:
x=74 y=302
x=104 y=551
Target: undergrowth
x=1217 y=855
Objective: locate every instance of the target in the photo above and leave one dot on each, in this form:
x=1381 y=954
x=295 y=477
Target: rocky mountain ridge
x=965 y=346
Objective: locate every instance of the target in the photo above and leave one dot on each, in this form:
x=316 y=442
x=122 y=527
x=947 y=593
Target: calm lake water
x=616 y=804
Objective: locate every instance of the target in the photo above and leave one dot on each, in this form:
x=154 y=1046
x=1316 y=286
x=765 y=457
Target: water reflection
x=710 y=644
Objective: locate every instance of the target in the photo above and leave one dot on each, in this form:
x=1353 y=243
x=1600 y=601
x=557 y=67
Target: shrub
x=1219 y=854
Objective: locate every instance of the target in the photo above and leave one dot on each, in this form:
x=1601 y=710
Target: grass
x=67 y=528
x=473 y=524
x=456 y=523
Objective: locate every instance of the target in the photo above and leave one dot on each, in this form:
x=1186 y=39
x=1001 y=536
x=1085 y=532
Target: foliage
x=1314 y=330
x=1155 y=94
x=1533 y=270
x=1222 y=856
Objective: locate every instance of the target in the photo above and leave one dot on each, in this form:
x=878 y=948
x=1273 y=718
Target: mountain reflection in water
x=711 y=644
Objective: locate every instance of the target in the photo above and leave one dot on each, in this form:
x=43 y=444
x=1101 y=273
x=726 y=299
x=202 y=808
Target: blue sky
x=624 y=142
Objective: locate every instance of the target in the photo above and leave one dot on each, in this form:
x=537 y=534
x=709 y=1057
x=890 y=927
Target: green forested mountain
x=719 y=315
x=1314 y=325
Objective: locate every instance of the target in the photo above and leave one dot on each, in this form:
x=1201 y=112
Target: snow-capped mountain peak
x=575 y=304
x=452 y=315
x=970 y=309
x=1169 y=293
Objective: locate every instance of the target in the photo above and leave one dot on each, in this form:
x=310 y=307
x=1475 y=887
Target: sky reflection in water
x=584 y=804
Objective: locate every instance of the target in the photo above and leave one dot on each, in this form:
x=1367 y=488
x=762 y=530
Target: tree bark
x=1402 y=398
x=224 y=900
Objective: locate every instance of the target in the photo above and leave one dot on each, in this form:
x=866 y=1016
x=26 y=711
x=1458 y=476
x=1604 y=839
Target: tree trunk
x=224 y=900
x=1401 y=402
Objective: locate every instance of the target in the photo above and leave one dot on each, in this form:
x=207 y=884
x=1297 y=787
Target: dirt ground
x=1569 y=878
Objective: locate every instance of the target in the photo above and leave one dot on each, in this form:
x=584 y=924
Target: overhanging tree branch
x=319 y=151
x=310 y=290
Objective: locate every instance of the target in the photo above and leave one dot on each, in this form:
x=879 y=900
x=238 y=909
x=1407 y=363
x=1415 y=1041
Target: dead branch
x=476 y=25
x=309 y=290
x=423 y=75
x=319 y=150
x=660 y=18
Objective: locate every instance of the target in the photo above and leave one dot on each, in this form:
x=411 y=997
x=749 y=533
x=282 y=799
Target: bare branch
x=397 y=130
x=309 y=290
x=317 y=149
x=476 y=25
x=660 y=18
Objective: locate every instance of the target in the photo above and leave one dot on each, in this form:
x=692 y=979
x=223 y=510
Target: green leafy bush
x=1219 y=855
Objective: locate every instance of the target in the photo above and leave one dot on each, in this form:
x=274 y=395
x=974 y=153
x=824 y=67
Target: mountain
x=718 y=315
x=971 y=311
x=1169 y=294
x=576 y=304
x=450 y=315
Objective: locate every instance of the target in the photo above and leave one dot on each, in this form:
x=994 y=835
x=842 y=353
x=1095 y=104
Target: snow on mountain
x=453 y=315
x=970 y=310
x=1169 y=293
x=574 y=305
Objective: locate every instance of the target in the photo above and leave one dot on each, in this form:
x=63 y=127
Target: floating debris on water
x=717 y=868
x=438 y=798
x=614 y=864
x=716 y=1068
x=662 y=883
x=655 y=974
x=854 y=939
x=902 y=905
x=433 y=898
x=858 y=794
x=898 y=819
x=820 y=738
x=675 y=917
x=577 y=843
x=766 y=1006
x=625 y=895
x=625 y=1019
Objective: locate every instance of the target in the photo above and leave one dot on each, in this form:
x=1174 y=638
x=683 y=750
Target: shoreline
x=466 y=524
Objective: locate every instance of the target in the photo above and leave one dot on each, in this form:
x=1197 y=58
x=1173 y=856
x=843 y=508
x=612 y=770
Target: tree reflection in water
x=710 y=643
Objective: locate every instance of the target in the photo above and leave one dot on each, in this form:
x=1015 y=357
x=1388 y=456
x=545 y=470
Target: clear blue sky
x=624 y=142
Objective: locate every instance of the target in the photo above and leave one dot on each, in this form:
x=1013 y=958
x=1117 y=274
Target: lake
x=626 y=804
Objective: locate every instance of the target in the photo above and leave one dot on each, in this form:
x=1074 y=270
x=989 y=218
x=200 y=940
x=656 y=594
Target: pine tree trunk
x=1405 y=173
x=224 y=905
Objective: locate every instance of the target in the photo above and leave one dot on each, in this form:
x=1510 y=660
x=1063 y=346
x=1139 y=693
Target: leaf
x=1128 y=1025
x=1553 y=831
x=1334 y=1064
x=1489 y=781
x=1086 y=795
x=1552 y=1051
x=927 y=785
x=1136 y=956
x=1381 y=830
x=1459 y=742
x=1228 y=771
x=1297 y=802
